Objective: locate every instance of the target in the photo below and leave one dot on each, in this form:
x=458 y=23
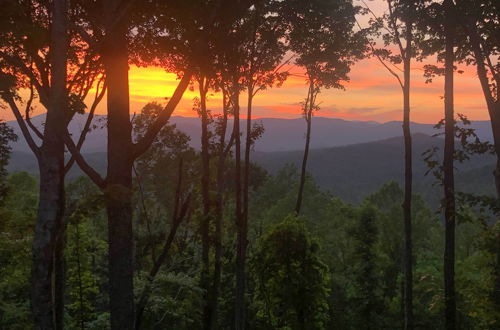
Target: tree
x=169 y=150
x=402 y=33
x=366 y=288
x=448 y=167
x=85 y=251
x=18 y=214
x=113 y=49
x=322 y=37
x=292 y=282
x=262 y=47
x=481 y=24
x=36 y=54
x=443 y=32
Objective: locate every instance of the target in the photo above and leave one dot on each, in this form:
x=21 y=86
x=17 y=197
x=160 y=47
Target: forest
x=158 y=232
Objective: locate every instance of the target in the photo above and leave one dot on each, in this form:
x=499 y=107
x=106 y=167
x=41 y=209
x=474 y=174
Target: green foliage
x=6 y=136
x=16 y=233
x=366 y=289
x=85 y=255
x=291 y=281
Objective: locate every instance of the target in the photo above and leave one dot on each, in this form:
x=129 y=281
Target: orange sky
x=372 y=93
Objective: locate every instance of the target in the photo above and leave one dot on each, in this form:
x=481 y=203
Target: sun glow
x=371 y=94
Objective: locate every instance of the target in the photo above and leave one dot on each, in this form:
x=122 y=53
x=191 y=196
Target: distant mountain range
x=351 y=172
x=355 y=171
x=279 y=135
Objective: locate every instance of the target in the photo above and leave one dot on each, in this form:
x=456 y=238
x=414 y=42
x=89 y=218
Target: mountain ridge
x=351 y=172
x=280 y=134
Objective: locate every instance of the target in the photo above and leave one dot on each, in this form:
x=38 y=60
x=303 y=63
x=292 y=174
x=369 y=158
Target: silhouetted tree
x=292 y=282
x=322 y=37
x=481 y=24
x=36 y=54
x=113 y=48
x=400 y=26
x=448 y=167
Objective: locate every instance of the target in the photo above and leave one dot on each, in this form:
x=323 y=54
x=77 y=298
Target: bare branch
x=22 y=125
x=177 y=218
x=381 y=60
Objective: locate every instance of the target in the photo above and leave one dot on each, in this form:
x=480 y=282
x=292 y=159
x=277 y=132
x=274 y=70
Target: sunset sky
x=371 y=94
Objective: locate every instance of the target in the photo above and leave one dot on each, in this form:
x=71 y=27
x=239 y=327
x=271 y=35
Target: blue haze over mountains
x=279 y=135
x=351 y=159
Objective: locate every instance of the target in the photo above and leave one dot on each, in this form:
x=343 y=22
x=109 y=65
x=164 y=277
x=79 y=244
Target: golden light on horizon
x=371 y=94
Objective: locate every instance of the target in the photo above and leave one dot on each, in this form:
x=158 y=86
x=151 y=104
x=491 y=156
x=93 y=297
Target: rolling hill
x=351 y=172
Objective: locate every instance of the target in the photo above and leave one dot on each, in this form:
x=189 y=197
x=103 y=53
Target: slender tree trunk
x=205 y=192
x=449 y=180
x=248 y=146
x=46 y=280
x=240 y=304
x=218 y=218
x=408 y=271
x=243 y=221
x=309 y=104
x=119 y=176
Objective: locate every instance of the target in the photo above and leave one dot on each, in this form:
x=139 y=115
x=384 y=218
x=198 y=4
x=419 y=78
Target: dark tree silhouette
x=122 y=152
x=448 y=167
x=323 y=38
x=481 y=25
x=398 y=28
x=35 y=53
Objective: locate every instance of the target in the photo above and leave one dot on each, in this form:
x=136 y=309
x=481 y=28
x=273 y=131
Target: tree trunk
x=47 y=281
x=449 y=180
x=119 y=176
x=408 y=271
x=309 y=104
x=218 y=219
x=205 y=192
x=248 y=145
x=243 y=220
x=239 y=318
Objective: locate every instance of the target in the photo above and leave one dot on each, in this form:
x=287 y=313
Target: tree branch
x=381 y=60
x=86 y=128
x=82 y=163
x=27 y=114
x=143 y=144
x=392 y=20
x=18 y=63
x=22 y=125
x=177 y=218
